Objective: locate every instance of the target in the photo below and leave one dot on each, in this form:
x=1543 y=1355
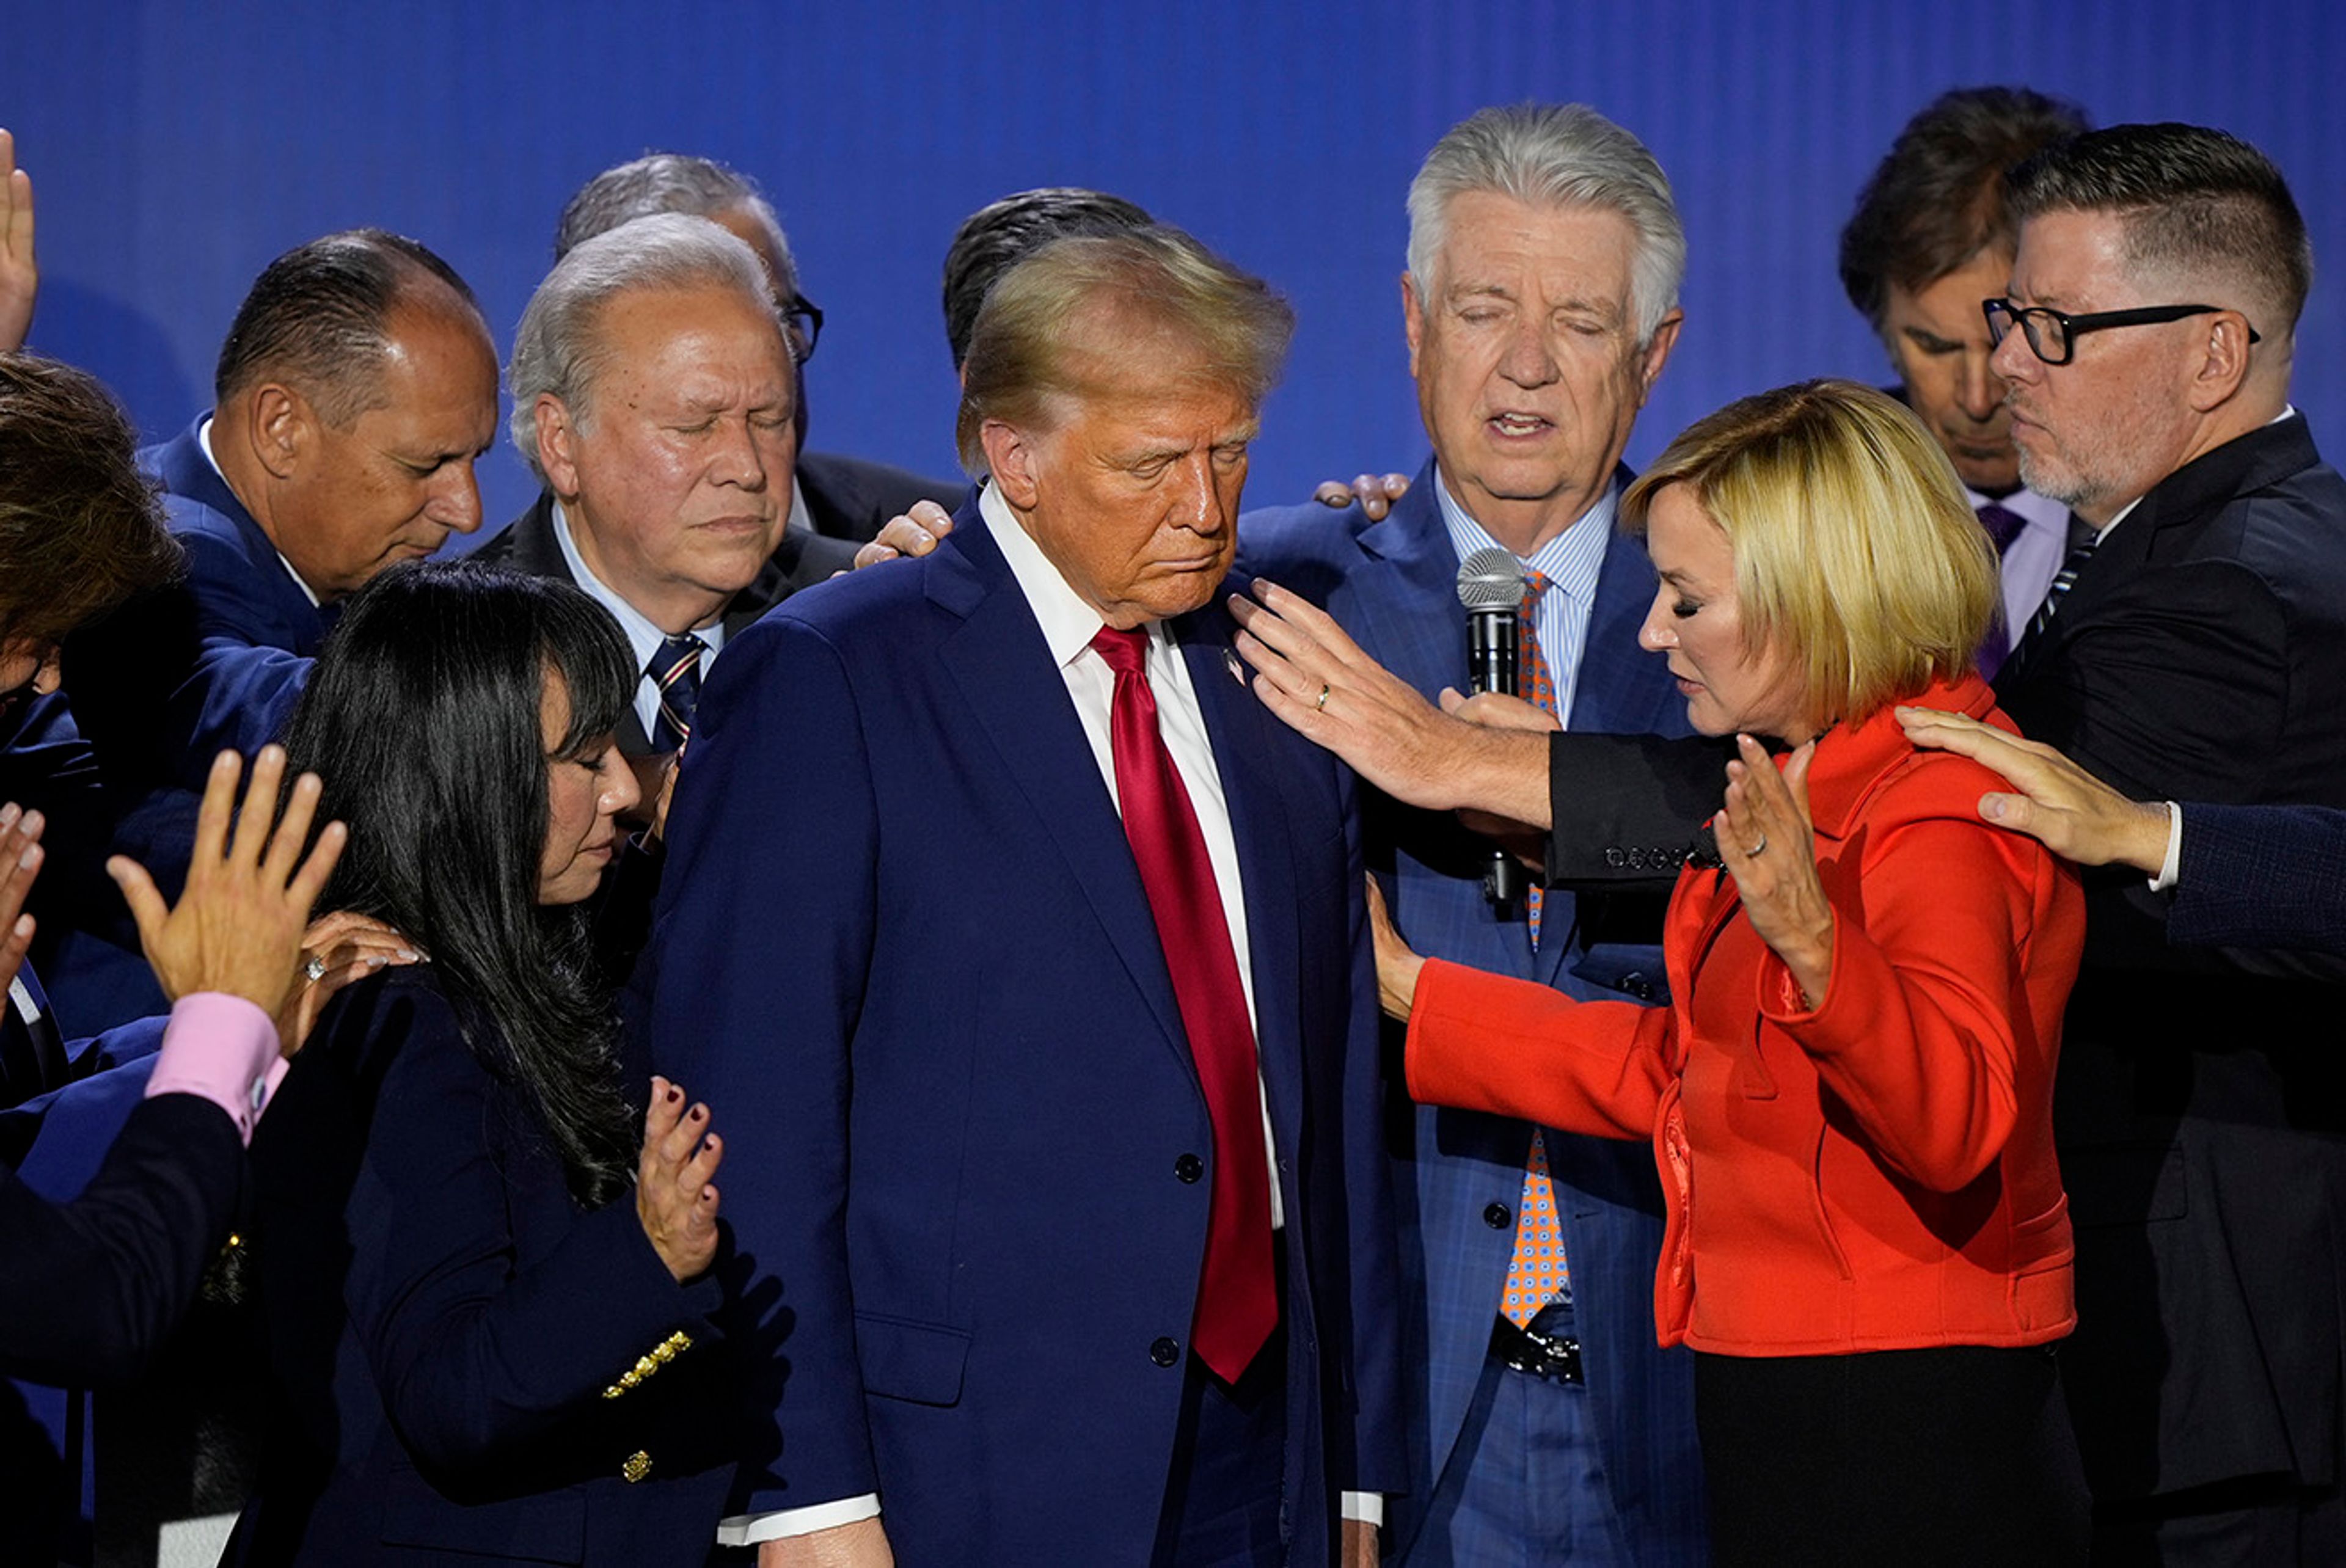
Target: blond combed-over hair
x=1064 y=323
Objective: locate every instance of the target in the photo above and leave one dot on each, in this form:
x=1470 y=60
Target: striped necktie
x=675 y=669
x=2062 y=581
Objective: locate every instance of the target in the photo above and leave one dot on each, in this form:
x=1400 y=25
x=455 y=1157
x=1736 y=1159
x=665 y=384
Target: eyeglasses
x=2053 y=334
x=802 y=319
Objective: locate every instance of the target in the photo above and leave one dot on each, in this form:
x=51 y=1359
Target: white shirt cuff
x=1368 y=1507
x=2172 y=867
x=749 y=1529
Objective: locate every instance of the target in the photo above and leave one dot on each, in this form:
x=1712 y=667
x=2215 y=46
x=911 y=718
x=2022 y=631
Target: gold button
x=638 y=1465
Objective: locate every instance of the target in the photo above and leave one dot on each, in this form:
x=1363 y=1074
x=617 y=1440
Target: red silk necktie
x=1238 y=1301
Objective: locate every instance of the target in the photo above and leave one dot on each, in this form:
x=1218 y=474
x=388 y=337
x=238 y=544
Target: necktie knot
x=2002 y=525
x=1534 y=584
x=675 y=658
x=674 y=671
x=1127 y=652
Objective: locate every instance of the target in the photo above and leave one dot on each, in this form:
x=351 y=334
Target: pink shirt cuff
x=223 y=1049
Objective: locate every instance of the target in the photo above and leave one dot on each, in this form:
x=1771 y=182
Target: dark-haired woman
x=486 y=1294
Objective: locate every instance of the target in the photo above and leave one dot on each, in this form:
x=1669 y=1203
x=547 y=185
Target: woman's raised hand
x=674 y=1199
x=1770 y=848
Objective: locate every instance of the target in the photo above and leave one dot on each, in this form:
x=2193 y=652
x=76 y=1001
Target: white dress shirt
x=204 y=441
x=643 y=637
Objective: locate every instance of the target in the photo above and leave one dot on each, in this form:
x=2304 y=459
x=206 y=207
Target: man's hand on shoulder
x=1376 y=495
x=863 y=1544
x=900 y=538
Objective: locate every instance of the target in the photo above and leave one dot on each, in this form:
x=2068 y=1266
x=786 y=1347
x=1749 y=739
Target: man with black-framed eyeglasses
x=2195 y=650
x=2193 y=646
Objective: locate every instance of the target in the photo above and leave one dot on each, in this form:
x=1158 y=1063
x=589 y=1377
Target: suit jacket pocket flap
x=902 y=1359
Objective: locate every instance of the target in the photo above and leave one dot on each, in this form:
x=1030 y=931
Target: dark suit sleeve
x=761 y=950
x=1627 y=806
x=476 y=1355
x=1378 y=1463
x=90 y=1288
x=2262 y=876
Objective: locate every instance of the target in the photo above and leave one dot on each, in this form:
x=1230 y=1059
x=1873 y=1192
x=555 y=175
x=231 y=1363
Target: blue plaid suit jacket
x=1392 y=584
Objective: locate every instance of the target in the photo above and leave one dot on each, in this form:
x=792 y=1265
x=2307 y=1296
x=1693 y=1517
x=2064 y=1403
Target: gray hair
x=558 y=348
x=1554 y=155
x=671 y=182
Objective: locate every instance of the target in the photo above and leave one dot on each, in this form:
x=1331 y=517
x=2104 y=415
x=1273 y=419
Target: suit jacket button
x=1190 y=1168
x=1636 y=859
x=1164 y=1352
x=1613 y=858
x=638 y=1465
x=1636 y=983
x=1497 y=1217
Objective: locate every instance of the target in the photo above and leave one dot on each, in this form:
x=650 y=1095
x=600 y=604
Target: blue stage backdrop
x=176 y=147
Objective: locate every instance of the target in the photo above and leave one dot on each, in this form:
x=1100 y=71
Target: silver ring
x=1321 y=705
x=315 y=969
x=1757 y=849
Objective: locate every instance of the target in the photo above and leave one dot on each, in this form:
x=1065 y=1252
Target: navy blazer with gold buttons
x=463 y=1359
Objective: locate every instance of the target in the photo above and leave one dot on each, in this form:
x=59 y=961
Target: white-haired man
x=655 y=397
x=1540 y=305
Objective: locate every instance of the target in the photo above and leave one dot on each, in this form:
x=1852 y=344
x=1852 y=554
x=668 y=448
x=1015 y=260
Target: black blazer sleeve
x=90 y=1288
x=1627 y=807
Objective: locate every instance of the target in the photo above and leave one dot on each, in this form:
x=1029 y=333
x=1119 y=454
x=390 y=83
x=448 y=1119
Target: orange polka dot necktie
x=1536 y=1274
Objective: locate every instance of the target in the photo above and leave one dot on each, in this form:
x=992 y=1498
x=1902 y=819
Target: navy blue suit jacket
x=159 y=688
x=1393 y=587
x=441 y=1321
x=2262 y=876
x=212 y=663
x=903 y=953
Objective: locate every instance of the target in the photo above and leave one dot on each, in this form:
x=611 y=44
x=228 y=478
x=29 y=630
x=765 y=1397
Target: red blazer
x=1875 y=1173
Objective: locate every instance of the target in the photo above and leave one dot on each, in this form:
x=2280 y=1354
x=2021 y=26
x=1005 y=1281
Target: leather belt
x=1556 y=1357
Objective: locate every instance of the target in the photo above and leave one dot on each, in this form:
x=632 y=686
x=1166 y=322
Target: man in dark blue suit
x=356 y=388
x=1540 y=305
x=1066 y=1216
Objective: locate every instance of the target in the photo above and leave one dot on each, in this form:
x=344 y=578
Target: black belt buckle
x=1556 y=1357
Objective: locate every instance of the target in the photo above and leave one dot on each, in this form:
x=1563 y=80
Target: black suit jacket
x=799 y=561
x=2201 y=1106
x=850 y=499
